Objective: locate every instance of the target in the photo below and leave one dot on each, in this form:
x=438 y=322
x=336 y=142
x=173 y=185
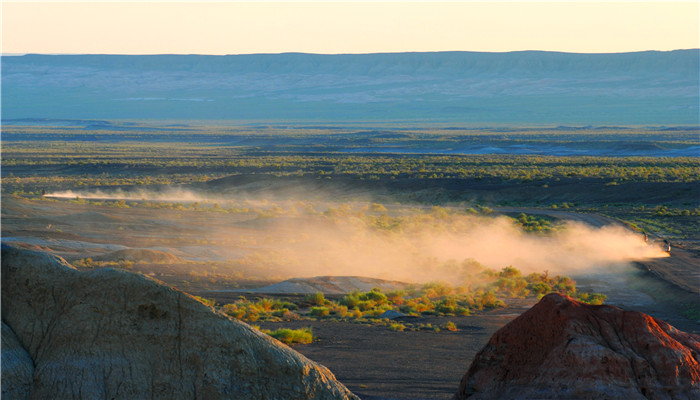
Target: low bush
x=450 y=326
x=595 y=299
x=317 y=298
x=291 y=336
x=397 y=326
x=319 y=312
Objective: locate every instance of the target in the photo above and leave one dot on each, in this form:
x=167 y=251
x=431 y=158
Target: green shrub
x=350 y=300
x=397 y=326
x=291 y=336
x=279 y=313
x=591 y=298
x=510 y=272
x=540 y=288
x=396 y=297
x=317 y=298
x=288 y=305
x=374 y=296
x=446 y=306
x=450 y=326
x=208 y=302
x=319 y=312
x=251 y=315
x=365 y=305
x=489 y=300
x=341 y=311
x=234 y=311
x=462 y=311
x=266 y=304
x=565 y=285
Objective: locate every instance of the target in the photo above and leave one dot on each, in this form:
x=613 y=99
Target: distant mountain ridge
x=529 y=87
x=455 y=61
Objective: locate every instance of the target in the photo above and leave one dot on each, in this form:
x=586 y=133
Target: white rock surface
x=117 y=335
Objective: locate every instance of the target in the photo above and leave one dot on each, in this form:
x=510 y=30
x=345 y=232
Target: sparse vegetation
x=40 y=160
x=489 y=289
x=33 y=157
x=144 y=159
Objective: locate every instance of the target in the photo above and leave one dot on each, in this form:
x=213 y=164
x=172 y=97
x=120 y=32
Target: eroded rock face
x=563 y=349
x=113 y=334
x=17 y=367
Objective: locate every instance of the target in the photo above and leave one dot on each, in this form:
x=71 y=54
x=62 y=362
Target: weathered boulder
x=114 y=334
x=563 y=349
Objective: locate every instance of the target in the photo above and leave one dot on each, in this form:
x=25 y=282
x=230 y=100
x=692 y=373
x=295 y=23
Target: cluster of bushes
x=532 y=223
x=90 y=263
x=435 y=298
x=264 y=308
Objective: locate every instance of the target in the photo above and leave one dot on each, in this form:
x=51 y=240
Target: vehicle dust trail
x=680 y=267
x=323 y=238
x=170 y=194
x=446 y=249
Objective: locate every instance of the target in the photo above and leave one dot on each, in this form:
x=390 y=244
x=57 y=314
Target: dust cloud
x=450 y=249
x=298 y=238
x=170 y=194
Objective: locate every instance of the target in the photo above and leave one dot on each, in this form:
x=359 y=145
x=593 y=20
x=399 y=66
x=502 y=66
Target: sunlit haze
x=356 y=27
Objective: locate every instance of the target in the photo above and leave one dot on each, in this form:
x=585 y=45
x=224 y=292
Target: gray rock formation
x=113 y=334
x=17 y=367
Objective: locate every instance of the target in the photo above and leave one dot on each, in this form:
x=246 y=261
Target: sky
x=210 y=27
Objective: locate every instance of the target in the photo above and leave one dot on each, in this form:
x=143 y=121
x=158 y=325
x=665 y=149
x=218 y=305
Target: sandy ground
x=377 y=363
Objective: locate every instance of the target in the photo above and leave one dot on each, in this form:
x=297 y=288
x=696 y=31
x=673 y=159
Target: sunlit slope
x=480 y=88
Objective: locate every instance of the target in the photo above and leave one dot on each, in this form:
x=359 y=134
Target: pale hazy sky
x=349 y=27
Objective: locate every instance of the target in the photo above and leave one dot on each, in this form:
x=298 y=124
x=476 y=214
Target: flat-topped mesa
x=563 y=349
x=113 y=334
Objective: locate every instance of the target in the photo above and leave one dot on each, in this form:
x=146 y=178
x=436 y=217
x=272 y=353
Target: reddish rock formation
x=563 y=349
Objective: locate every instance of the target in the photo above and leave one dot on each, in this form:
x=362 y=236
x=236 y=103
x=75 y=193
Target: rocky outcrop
x=563 y=349
x=113 y=334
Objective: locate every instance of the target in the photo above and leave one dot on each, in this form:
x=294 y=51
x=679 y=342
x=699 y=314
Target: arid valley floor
x=222 y=222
